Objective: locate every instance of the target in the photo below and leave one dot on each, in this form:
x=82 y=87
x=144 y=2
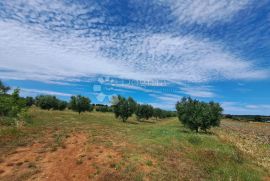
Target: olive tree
x=80 y=104
x=197 y=115
x=157 y=113
x=61 y=105
x=46 y=102
x=144 y=111
x=123 y=108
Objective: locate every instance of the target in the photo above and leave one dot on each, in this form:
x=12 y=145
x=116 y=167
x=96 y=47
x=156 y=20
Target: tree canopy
x=3 y=88
x=123 y=108
x=197 y=115
x=144 y=111
x=80 y=104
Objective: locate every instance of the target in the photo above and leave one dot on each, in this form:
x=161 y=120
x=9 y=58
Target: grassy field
x=95 y=146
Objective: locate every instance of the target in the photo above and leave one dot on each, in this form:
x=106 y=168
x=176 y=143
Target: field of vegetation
x=65 y=145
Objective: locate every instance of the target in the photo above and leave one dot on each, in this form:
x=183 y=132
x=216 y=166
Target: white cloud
x=206 y=11
x=32 y=57
x=134 y=87
x=35 y=92
x=166 y=101
x=164 y=105
x=245 y=109
x=67 y=48
x=199 y=91
x=186 y=58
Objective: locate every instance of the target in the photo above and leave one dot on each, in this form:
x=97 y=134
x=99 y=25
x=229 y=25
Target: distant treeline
x=194 y=114
x=256 y=118
x=12 y=104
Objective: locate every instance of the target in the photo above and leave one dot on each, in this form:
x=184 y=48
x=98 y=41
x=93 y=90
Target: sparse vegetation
x=96 y=146
x=162 y=151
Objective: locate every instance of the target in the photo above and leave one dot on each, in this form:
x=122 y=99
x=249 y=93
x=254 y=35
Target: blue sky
x=156 y=51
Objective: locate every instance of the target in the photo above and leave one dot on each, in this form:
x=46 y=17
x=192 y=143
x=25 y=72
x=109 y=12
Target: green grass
x=169 y=149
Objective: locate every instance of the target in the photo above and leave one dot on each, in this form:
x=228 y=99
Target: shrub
x=157 y=113
x=258 y=119
x=61 y=105
x=11 y=105
x=29 y=101
x=47 y=102
x=123 y=108
x=198 y=115
x=144 y=111
x=80 y=104
x=102 y=108
x=3 y=89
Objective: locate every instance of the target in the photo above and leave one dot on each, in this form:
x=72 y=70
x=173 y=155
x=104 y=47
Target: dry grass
x=96 y=146
x=251 y=138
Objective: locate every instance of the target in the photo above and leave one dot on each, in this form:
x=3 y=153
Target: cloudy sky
x=156 y=51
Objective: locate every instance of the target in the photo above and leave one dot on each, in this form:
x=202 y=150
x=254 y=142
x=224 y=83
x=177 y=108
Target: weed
x=195 y=140
x=149 y=163
x=115 y=166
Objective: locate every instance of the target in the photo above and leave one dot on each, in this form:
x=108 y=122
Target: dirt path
x=74 y=160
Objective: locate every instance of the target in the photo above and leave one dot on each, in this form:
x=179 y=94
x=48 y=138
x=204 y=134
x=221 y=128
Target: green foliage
x=160 y=114
x=198 y=115
x=61 y=105
x=6 y=104
x=29 y=101
x=103 y=108
x=3 y=89
x=144 y=111
x=257 y=119
x=11 y=105
x=47 y=102
x=50 y=102
x=123 y=108
x=157 y=113
x=80 y=104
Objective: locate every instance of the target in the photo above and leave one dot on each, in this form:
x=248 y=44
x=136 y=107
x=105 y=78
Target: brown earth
x=75 y=160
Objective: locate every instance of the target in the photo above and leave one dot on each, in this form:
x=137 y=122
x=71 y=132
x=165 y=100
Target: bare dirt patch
x=76 y=160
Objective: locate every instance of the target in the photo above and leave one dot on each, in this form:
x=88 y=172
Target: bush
x=11 y=105
x=50 y=102
x=47 y=102
x=3 y=89
x=144 y=112
x=29 y=101
x=80 y=104
x=258 y=119
x=123 y=108
x=61 y=105
x=198 y=115
x=157 y=113
x=103 y=108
